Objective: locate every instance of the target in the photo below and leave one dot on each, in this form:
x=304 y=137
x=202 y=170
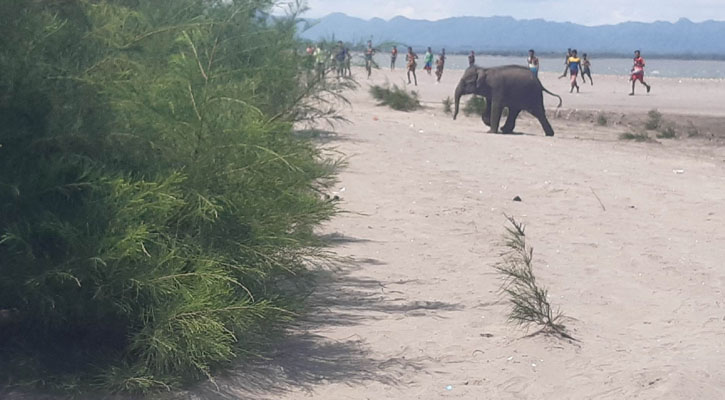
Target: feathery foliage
x=155 y=205
x=637 y=137
x=529 y=303
x=475 y=106
x=396 y=97
x=447 y=105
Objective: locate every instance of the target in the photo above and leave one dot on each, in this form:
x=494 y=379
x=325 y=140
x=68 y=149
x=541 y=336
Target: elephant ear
x=481 y=79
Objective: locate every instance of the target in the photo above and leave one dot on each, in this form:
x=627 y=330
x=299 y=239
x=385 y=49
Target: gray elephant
x=509 y=86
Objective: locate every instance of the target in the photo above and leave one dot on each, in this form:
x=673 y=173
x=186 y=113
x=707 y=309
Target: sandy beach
x=417 y=313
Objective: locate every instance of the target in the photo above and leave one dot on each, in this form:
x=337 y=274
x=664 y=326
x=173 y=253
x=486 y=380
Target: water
x=667 y=68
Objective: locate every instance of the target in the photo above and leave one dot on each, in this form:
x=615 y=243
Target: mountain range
x=506 y=34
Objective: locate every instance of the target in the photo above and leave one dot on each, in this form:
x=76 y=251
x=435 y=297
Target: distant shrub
x=602 y=120
x=667 y=132
x=637 y=137
x=692 y=130
x=396 y=98
x=654 y=120
x=475 y=105
x=447 y=105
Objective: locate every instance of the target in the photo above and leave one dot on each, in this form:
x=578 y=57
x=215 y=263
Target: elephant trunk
x=459 y=93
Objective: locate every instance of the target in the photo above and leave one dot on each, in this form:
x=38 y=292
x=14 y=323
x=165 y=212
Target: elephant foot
x=549 y=134
x=506 y=130
x=493 y=130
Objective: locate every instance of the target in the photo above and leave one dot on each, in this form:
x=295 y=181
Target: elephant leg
x=487 y=112
x=540 y=114
x=496 y=109
x=510 y=124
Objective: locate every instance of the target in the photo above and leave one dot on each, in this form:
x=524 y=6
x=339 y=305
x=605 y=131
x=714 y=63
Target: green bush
x=475 y=106
x=155 y=204
x=396 y=98
x=667 y=132
x=602 y=119
x=637 y=137
x=654 y=120
x=447 y=105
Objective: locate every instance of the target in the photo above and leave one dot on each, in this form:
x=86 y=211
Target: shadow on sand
x=305 y=359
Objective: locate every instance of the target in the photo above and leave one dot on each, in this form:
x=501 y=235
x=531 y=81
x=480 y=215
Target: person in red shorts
x=638 y=72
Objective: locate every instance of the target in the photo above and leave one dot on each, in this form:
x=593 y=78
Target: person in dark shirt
x=440 y=63
x=471 y=59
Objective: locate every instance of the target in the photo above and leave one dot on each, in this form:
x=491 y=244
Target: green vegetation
x=602 y=120
x=156 y=208
x=396 y=98
x=448 y=105
x=667 y=132
x=692 y=130
x=529 y=301
x=475 y=106
x=654 y=121
x=637 y=137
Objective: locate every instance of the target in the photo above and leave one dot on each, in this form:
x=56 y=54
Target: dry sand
x=418 y=315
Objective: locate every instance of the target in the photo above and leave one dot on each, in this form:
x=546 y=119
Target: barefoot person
x=393 y=57
x=428 y=61
x=586 y=69
x=638 y=72
x=533 y=62
x=411 y=64
x=471 y=59
x=566 y=63
x=369 y=53
x=440 y=63
x=574 y=64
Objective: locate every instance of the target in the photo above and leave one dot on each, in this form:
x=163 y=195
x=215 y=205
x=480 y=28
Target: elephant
x=511 y=86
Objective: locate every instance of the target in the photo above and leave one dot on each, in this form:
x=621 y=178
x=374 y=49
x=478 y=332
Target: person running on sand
x=586 y=69
x=574 y=64
x=566 y=63
x=348 y=62
x=440 y=63
x=340 y=60
x=638 y=72
x=320 y=58
x=471 y=59
x=393 y=57
x=533 y=62
x=411 y=64
x=428 y=61
x=369 y=53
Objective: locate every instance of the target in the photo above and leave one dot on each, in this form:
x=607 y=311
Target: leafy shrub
x=667 y=132
x=475 y=106
x=602 y=119
x=448 y=105
x=692 y=130
x=529 y=301
x=396 y=97
x=155 y=205
x=637 y=137
x=654 y=120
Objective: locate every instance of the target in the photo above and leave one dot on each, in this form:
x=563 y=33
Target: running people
x=411 y=64
x=638 y=72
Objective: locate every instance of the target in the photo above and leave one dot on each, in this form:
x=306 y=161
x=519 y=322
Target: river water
x=668 y=68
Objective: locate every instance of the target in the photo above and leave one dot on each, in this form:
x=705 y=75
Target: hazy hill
x=506 y=34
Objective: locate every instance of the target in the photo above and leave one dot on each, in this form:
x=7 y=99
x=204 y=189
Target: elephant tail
x=553 y=94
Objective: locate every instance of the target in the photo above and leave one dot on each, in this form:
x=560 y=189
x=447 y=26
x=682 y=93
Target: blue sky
x=583 y=12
